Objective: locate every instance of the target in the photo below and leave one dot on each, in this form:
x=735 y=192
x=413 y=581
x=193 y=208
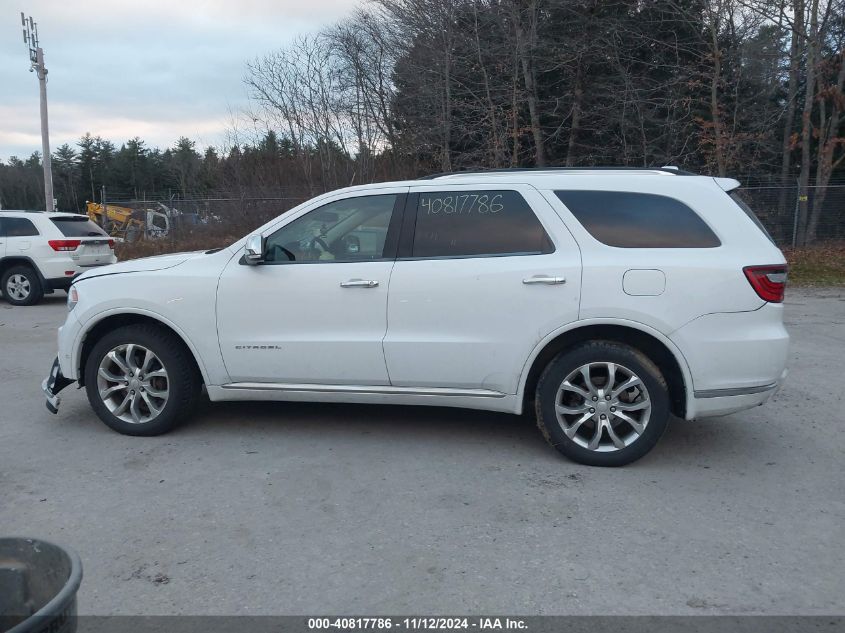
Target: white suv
x=43 y=252
x=603 y=300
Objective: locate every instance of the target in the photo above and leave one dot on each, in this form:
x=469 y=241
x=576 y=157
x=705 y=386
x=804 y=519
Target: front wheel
x=602 y=403
x=141 y=380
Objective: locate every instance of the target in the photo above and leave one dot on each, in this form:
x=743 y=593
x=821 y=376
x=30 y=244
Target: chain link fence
x=187 y=221
x=172 y=218
x=779 y=209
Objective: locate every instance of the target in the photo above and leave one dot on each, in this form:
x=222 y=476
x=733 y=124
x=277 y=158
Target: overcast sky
x=158 y=69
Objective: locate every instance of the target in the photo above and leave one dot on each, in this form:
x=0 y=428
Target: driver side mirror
x=254 y=250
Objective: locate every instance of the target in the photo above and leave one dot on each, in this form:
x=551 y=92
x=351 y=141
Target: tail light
x=768 y=282
x=111 y=244
x=64 y=245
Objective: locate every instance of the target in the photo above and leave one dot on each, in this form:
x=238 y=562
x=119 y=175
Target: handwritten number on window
x=462 y=204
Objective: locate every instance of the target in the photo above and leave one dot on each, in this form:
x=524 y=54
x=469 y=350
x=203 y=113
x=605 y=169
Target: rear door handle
x=359 y=283
x=544 y=279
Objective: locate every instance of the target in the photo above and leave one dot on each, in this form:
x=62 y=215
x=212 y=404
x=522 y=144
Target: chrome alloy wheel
x=18 y=287
x=603 y=407
x=133 y=383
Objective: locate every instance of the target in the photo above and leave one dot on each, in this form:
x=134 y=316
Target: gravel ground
x=291 y=508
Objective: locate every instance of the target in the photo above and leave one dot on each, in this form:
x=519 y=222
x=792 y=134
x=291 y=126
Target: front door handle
x=359 y=283
x=544 y=279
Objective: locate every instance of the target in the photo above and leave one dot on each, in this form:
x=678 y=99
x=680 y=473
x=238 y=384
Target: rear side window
x=17 y=227
x=78 y=227
x=638 y=220
x=477 y=223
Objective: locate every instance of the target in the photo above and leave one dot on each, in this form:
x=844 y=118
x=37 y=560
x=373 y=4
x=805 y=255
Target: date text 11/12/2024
x=416 y=623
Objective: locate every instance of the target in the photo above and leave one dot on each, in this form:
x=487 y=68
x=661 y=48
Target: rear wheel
x=602 y=404
x=141 y=380
x=22 y=286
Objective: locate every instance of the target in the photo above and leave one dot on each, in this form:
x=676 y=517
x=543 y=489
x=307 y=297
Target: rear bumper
x=54 y=270
x=737 y=359
x=716 y=402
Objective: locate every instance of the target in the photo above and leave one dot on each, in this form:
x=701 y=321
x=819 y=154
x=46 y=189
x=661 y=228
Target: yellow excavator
x=116 y=221
x=130 y=224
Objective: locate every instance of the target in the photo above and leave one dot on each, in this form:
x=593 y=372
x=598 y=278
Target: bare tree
x=829 y=140
x=524 y=16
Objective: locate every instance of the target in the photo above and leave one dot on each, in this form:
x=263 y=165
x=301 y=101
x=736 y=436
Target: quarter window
x=475 y=223
x=352 y=229
x=736 y=196
x=638 y=220
x=18 y=227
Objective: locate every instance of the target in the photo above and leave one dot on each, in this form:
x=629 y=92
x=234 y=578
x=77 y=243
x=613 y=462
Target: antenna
x=36 y=64
x=30 y=38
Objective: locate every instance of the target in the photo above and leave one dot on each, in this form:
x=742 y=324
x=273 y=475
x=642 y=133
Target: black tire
x=36 y=290
x=626 y=358
x=183 y=379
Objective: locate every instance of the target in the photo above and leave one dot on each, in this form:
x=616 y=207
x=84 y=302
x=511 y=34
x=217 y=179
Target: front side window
x=638 y=220
x=18 y=227
x=352 y=229
x=477 y=223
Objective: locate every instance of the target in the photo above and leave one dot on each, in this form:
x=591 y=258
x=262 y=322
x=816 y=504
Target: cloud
x=158 y=69
x=70 y=121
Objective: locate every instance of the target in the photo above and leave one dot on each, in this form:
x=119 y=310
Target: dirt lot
x=282 y=508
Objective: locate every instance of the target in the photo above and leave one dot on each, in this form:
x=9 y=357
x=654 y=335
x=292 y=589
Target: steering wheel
x=317 y=240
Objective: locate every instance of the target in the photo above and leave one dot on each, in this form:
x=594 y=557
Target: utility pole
x=36 y=59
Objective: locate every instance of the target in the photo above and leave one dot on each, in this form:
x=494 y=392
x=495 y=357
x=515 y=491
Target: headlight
x=72 y=298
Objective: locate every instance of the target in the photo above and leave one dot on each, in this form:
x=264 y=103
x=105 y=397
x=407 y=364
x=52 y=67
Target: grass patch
x=820 y=265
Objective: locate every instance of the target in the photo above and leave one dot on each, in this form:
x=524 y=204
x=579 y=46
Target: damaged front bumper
x=52 y=385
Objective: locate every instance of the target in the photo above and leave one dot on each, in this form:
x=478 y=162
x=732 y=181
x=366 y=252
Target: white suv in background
x=602 y=300
x=42 y=252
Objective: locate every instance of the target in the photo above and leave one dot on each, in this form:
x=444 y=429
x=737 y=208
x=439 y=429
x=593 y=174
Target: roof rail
x=22 y=211
x=504 y=170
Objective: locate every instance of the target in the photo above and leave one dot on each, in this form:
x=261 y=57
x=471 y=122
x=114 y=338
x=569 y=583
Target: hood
x=144 y=264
